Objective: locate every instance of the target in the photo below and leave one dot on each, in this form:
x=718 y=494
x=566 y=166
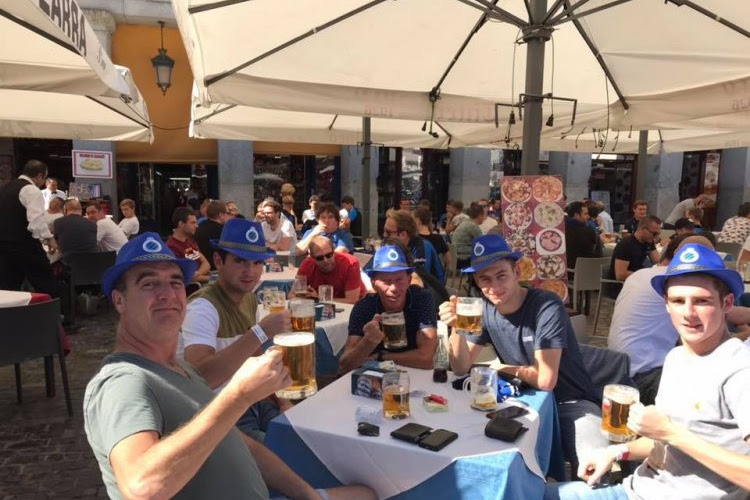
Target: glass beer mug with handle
x=396 y=395
x=276 y=302
x=298 y=351
x=300 y=286
x=483 y=389
x=469 y=315
x=394 y=329
x=265 y=295
x=303 y=315
x=616 y=405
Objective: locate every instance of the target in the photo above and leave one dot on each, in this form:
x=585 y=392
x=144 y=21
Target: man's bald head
x=321 y=244
x=73 y=206
x=56 y=205
x=698 y=239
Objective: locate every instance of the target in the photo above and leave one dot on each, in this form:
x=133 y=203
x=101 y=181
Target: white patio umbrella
x=648 y=62
x=56 y=81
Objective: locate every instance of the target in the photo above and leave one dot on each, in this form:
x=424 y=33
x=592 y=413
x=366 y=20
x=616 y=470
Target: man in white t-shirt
x=129 y=223
x=219 y=331
x=278 y=231
x=679 y=210
x=109 y=236
x=695 y=441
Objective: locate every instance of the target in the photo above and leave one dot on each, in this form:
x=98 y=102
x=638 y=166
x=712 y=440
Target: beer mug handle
x=467 y=391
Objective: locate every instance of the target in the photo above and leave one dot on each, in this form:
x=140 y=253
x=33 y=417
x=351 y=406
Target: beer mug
x=266 y=294
x=616 y=405
x=483 y=390
x=298 y=350
x=300 y=286
x=469 y=315
x=303 y=315
x=396 y=395
x=325 y=293
x=394 y=328
x=276 y=302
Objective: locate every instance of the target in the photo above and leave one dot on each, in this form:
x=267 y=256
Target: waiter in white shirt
x=51 y=191
x=23 y=228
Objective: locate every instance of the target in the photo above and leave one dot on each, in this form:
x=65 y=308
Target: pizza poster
x=534 y=224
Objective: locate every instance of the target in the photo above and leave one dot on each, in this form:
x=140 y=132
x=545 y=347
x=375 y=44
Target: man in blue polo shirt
x=533 y=339
x=391 y=277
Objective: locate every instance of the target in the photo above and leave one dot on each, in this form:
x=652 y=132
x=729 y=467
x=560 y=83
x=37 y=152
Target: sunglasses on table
x=321 y=258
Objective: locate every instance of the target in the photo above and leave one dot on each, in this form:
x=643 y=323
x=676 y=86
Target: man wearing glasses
x=338 y=269
x=277 y=230
x=632 y=251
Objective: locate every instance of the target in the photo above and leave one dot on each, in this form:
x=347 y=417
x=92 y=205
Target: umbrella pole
x=640 y=176
x=535 y=37
x=366 y=169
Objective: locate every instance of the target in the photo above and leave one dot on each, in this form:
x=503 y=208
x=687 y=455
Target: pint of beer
x=300 y=286
x=396 y=395
x=394 y=329
x=276 y=301
x=303 y=315
x=298 y=350
x=469 y=315
x=615 y=410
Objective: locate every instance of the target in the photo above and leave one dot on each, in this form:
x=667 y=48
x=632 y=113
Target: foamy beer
x=298 y=349
x=394 y=329
x=469 y=315
x=303 y=315
x=616 y=405
x=396 y=395
x=276 y=301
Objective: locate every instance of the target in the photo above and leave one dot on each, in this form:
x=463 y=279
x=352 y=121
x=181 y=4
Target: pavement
x=43 y=452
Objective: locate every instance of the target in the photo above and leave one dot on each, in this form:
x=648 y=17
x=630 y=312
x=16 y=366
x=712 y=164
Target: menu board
x=534 y=223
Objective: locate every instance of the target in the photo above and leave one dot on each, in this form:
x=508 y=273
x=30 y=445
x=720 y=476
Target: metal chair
x=86 y=269
x=586 y=277
x=32 y=332
x=603 y=280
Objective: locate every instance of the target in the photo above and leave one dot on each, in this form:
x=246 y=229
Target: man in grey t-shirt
x=154 y=425
x=695 y=442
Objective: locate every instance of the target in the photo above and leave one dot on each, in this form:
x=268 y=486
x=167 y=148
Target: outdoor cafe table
x=318 y=439
x=282 y=280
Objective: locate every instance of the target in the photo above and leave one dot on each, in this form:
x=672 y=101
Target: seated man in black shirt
x=632 y=251
x=580 y=239
x=640 y=210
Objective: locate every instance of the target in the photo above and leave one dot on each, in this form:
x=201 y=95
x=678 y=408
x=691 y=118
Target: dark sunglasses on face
x=321 y=258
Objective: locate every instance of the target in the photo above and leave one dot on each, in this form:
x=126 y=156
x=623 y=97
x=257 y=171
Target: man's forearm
x=220 y=367
x=277 y=475
x=460 y=359
x=415 y=358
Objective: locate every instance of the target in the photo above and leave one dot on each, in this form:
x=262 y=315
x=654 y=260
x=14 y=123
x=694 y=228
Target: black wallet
x=504 y=429
x=411 y=433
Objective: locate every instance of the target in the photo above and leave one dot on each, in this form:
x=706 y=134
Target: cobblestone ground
x=43 y=452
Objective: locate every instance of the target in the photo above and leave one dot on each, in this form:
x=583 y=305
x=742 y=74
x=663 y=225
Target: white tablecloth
x=326 y=423
x=286 y=274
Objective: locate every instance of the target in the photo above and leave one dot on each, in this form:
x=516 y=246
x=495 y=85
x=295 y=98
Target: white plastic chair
x=586 y=276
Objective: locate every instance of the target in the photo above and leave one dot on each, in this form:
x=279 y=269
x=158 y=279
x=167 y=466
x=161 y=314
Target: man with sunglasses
x=631 y=252
x=326 y=267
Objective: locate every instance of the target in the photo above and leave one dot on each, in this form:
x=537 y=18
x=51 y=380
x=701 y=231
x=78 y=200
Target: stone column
x=236 y=170
x=469 y=174
x=575 y=169
x=103 y=25
x=661 y=186
x=353 y=183
x=734 y=183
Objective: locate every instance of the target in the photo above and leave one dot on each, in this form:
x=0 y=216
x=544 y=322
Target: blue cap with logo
x=243 y=238
x=488 y=249
x=389 y=259
x=695 y=258
x=144 y=249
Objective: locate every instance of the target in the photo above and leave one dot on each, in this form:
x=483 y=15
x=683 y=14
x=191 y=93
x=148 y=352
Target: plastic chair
x=586 y=276
x=603 y=280
x=32 y=332
x=86 y=269
x=605 y=366
x=730 y=248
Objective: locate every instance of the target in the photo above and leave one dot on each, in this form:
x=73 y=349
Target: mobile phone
x=411 y=433
x=437 y=440
x=508 y=412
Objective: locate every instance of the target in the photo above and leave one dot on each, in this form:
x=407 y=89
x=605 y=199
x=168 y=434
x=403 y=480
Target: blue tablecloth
x=496 y=476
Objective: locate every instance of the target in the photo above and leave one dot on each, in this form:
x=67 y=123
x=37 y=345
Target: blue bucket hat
x=487 y=249
x=695 y=258
x=146 y=248
x=243 y=238
x=389 y=259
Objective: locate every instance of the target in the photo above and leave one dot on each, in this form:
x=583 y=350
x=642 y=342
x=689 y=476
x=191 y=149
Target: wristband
x=258 y=331
x=620 y=451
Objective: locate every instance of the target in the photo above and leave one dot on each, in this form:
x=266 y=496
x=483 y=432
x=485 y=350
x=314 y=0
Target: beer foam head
x=294 y=339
